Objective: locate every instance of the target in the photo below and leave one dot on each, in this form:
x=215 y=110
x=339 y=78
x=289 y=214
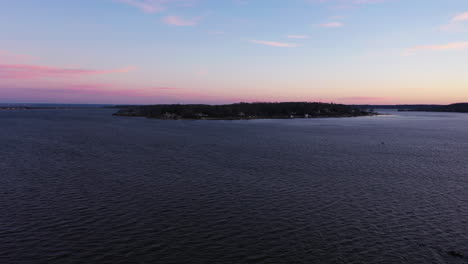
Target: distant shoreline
x=453 y=108
x=29 y=108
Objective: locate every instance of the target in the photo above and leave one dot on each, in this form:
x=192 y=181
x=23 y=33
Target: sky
x=225 y=51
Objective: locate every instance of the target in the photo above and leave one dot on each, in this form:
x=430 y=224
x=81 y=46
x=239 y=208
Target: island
x=455 y=108
x=241 y=111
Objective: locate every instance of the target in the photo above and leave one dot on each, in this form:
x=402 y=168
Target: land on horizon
x=455 y=107
x=244 y=111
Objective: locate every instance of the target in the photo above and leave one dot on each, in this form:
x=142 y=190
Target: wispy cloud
x=155 y=6
x=461 y=17
x=274 y=43
x=443 y=47
x=148 y=6
x=356 y=2
x=24 y=71
x=298 y=36
x=346 y=4
x=456 y=24
x=331 y=25
x=180 y=21
x=90 y=93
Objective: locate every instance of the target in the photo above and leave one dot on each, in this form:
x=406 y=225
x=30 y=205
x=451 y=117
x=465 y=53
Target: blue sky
x=218 y=51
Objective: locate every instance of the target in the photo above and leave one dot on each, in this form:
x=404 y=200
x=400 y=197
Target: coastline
x=255 y=118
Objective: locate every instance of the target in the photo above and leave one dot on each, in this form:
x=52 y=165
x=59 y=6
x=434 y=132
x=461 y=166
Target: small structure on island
x=201 y=115
x=168 y=115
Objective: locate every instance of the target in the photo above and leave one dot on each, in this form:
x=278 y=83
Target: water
x=82 y=186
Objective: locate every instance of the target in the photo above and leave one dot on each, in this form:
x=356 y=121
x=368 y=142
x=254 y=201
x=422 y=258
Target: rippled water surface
x=82 y=186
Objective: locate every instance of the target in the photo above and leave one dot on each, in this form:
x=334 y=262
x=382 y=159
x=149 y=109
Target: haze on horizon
x=223 y=51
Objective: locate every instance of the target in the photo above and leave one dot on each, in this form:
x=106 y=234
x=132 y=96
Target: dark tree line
x=459 y=108
x=241 y=110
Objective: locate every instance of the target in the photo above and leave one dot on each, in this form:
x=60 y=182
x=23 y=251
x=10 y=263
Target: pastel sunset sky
x=222 y=51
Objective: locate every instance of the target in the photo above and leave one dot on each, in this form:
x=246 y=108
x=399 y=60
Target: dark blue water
x=82 y=186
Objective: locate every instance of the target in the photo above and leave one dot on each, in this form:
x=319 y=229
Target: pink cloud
x=155 y=6
x=24 y=71
x=461 y=17
x=147 y=6
x=275 y=44
x=180 y=21
x=106 y=93
x=45 y=90
x=298 y=36
x=444 y=47
x=72 y=95
x=346 y=4
x=354 y=2
x=456 y=24
x=332 y=25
